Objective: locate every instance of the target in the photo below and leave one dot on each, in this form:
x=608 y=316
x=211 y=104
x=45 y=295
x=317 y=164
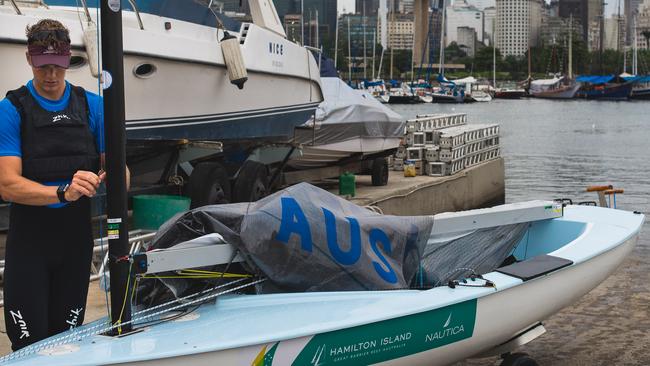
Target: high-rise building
x=482 y=4
x=467 y=40
x=631 y=10
x=555 y=30
x=359 y=27
x=578 y=10
x=590 y=15
x=400 y=31
x=292 y=27
x=325 y=10
x=461 y=14
x=489 y=24
x=406 y=6
x=643 y=26
x=518 y=25
x=614 y=33
x=369 y=6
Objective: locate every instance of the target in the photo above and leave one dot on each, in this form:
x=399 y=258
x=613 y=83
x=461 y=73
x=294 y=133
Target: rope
x=105 y=327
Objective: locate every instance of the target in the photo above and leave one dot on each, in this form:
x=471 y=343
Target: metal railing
x=137 y=239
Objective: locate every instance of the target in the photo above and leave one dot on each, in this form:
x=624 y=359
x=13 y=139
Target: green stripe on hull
x=391 y=339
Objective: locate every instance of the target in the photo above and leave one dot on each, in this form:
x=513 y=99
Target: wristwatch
x=60 y=192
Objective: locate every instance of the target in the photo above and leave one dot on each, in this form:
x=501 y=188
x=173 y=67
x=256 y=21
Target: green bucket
x=150 y=211
x=347 y=184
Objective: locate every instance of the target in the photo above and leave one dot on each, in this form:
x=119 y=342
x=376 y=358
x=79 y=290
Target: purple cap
x=58 y=55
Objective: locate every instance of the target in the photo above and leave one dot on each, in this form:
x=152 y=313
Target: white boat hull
x=188 y=95
x=404 y=327
x=499 y=317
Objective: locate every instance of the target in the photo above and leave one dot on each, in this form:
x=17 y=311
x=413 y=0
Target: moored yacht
x=177 y=81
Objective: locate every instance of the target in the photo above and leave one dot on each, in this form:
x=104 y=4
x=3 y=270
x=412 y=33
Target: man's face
x=49 y=78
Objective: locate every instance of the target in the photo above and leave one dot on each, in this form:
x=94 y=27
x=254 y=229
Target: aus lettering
x=294 y=222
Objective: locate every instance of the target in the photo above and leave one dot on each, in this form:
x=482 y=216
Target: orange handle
x=613 y=191
x=598 y=188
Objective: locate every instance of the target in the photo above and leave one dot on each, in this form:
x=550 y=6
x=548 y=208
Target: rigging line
x=144 y=311
x=101 y=328
x=456 y=270
x=101 y=160
x=126 y=295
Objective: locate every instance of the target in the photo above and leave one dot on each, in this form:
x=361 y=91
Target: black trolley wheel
x=379 y=172
x=252 y=182
x=518 y=359
x=209 y=185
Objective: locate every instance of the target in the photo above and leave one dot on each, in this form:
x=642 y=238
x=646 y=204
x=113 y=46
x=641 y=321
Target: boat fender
x=90 y=41
x=234 y=60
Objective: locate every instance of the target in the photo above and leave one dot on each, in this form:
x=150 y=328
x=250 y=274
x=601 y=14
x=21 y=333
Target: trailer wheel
x=209 y=185
x=379 y=172
x=252 y=182
x=518 y=359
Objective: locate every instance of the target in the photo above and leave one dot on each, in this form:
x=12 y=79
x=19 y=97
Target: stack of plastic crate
x=443 y=144
x=422 y=139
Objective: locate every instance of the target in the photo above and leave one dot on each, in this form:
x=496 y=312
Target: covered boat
x=607 y=87
x=348 y=123
x=328 y=282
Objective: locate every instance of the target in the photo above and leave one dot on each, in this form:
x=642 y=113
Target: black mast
x=115 y=135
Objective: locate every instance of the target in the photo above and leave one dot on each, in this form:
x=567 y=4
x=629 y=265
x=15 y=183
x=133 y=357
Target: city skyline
x=348 y=5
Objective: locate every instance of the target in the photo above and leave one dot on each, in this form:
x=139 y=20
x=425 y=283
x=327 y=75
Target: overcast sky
x=348 y=5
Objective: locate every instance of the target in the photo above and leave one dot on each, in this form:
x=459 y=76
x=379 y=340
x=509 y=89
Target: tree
x=453 y=52
x=483 y=59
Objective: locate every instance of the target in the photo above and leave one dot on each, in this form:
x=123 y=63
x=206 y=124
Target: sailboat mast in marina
x=116 y=190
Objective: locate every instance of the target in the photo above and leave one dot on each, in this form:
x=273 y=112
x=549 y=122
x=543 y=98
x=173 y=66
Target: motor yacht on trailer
x=177 y=84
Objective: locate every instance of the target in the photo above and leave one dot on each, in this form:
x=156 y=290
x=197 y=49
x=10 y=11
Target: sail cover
x=306 y=239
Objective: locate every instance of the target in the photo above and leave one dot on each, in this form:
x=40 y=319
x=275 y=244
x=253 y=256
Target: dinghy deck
x=245 y=326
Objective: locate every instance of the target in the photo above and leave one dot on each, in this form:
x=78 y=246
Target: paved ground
x=609 y=326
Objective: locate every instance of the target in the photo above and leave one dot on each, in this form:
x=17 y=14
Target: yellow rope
x=126 y=294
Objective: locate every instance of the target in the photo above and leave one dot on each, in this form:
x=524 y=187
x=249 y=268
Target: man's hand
x=83 y=183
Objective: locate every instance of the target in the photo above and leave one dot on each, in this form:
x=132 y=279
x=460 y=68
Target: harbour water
x=556 y=149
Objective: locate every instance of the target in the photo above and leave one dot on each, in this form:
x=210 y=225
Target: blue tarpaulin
x=443 y=80
x=373 y=83
x=638 y=79
x=595 y=79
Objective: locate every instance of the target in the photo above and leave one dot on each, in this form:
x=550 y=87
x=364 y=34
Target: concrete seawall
x=480 y=186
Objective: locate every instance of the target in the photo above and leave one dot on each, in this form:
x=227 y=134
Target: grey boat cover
x=304 y=238
x=346 y=114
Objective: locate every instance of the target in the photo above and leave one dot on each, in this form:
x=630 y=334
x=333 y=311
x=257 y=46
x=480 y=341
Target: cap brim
x=57 y=60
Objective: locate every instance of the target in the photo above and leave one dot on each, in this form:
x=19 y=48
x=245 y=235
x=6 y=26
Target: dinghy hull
x=438 y=326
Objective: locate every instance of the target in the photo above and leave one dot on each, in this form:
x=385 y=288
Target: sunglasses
x=50 y=35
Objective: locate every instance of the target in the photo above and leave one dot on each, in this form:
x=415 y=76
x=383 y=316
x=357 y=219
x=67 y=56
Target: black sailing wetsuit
x=48 y=250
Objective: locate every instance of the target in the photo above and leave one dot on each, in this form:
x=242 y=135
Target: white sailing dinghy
x=303 y=277
x=424 y=305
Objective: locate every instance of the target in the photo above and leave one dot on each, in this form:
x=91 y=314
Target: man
x=50 y=147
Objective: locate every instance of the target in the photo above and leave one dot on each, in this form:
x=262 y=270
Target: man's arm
x=18 y=189
x=15 y=188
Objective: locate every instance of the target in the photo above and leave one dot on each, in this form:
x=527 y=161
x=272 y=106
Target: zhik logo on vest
x=59 y=117
x=74 y=317
x=18 y=320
